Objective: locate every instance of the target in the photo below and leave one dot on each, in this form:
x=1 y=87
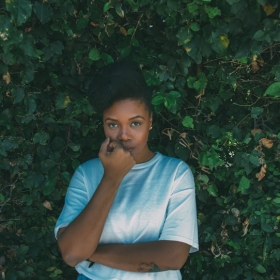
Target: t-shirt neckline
x=150 y=162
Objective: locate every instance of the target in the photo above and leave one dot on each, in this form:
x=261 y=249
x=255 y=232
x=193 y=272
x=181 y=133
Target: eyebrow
x=135 y=117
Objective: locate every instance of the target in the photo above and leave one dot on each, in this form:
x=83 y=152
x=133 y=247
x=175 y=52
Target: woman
x=129 y=214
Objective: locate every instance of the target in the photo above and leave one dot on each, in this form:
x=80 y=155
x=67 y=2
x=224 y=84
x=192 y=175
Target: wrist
x=111 y=179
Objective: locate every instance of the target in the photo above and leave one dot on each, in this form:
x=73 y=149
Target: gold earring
x=150 y=128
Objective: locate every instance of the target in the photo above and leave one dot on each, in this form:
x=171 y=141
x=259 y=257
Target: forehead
x=127 y=107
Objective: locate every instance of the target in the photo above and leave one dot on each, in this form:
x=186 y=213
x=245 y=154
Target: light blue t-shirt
x=155 y=201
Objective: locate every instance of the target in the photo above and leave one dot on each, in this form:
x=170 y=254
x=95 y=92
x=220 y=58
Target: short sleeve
x=75 y=200
x=181 y=216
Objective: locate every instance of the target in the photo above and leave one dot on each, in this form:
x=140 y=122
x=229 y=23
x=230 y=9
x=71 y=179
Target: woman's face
x=129 y=122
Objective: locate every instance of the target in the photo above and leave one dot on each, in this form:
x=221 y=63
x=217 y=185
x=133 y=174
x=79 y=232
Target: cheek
x=143 y=136
x=110 y=133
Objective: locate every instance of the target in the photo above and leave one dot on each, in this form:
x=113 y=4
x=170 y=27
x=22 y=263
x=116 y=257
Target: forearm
x=143 y=257
x=80 y=238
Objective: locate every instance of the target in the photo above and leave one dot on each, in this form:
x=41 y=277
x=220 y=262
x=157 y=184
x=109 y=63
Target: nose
x=124 y=134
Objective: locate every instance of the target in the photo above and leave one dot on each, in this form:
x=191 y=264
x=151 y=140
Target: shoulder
x=95 y=162
x=87 y=175
x=89 y=166
x=172 y=163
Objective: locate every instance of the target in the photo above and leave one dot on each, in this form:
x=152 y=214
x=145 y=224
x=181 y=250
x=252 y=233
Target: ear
x=151 y=119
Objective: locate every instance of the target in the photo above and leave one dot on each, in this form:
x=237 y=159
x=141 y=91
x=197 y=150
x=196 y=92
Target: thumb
x=104 y=146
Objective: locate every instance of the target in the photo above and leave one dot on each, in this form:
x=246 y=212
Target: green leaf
x=51 y=268
x=41 y=137
x=184 y=35
x=198 y=83
x=106 y=7
x=66 y=177
x=214 y=103
x=276 y=200
x=254 y=160
x=259 y=268
x=267 y=227
x=243 y=50
x=119 y=10
x=185 y=64
x=169 y=101
x=57 y=47
x=135 y=42
x=188 y=122
x=20 y=10
x=220 y=42
x=233 y=244
x=195 y=26
x=17 y=94
x=94 y=54
x=173 y=5
x=133 y=5
x=58 y=271
x=43 y=11
x=204 y=178
x=255 y=112
x=22 y=250
x=130 y=31
x=262 y=2
x=191 y=81
x=3 y=68
x=2 y=198
x=62 y=100
x=158 y=100
x=50 y=186
x=34 y=180
x=175 y=94
x=193 y=9
x=182 y=152
x=212 y=190
x=75 y=164
x=87 y=109
x=107 y=58
x=244 y=184
x=125 y=52
x=74 y=147
x=27 y=46
x=82 y=23
x=273 y=90
x=258 y=36
x=212 y=11
x=27 y=74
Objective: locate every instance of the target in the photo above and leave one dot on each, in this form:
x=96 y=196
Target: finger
x=104 y=146
x=114 y=144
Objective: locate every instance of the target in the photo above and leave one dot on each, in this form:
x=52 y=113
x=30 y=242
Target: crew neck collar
x=150 y=162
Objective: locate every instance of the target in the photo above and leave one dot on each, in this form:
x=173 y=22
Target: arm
x=80 y=238
x=152 y=256
x=180 y=224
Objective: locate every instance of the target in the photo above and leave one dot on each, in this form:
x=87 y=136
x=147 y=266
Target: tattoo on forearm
x=148 y=267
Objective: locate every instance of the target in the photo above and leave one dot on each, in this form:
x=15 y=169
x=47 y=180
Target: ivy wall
x=214 y=69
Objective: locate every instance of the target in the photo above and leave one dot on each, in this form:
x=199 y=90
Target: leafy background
x=215 y=72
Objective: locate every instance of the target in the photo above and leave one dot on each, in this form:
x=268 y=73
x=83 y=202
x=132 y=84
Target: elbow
x=180 y=262
x=69 y=256
x=70 y=260
x=177 y=259
x=177 y=263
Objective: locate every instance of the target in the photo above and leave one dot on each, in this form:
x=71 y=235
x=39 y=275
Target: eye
x=135 y=124
x=112 y=125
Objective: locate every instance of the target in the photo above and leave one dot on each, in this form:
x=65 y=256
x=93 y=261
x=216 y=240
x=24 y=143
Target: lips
x=130 y=149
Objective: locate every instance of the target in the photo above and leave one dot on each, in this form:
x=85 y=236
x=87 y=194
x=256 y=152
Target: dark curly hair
x=118 y=81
